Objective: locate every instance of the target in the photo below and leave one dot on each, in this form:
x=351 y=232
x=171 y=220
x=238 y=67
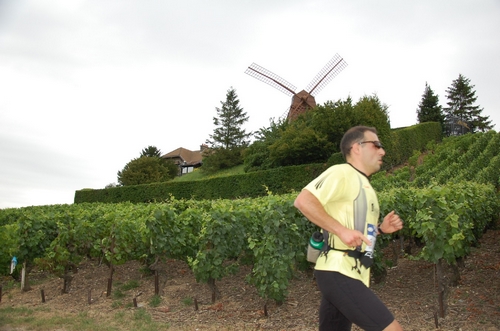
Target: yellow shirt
x=347 y=196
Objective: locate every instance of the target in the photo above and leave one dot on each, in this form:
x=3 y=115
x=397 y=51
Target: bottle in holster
x=314 y=247
x=367 y=258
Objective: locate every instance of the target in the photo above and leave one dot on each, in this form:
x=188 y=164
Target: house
x=185 y=159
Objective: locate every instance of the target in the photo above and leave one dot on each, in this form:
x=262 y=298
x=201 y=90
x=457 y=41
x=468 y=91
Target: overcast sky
x=85 y=85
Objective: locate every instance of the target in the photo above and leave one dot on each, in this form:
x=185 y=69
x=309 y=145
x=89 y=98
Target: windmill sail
x=270 y=78
x=304 y=100
x=329 y=71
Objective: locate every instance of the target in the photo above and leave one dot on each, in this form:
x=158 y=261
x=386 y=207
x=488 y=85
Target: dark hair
x=353 y=135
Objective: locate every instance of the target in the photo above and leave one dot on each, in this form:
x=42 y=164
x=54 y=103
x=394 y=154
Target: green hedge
x=405 y=141
x=253 y=184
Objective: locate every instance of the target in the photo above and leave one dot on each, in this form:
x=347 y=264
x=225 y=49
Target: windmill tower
x=304 y=100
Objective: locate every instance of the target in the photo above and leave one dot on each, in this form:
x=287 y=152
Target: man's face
x=371 y=153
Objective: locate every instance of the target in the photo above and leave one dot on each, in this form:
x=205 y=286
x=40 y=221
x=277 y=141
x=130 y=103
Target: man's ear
x=355 y=148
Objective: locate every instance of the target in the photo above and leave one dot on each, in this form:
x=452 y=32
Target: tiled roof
x=187 y=157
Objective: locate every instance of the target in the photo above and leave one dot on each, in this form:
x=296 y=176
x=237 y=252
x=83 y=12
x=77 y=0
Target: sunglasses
x=375 y=143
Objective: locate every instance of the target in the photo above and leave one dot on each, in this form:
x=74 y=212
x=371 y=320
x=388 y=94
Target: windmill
x=304 y=100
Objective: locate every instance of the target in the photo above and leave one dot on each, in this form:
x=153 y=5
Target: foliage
x=9 y=240
x=236 y=184
x=277 y=245
x=171 y=231
x=151 y=151
x=447 y=210
x=299 y=144
x=221 y=158
x=448 y=218
x=217 y=236
x=229 y=138
x=429 y=109
x=315 y=135
x=370 y=111
x=404 y=141
x=333 y=119
x=145 y=170
x=200 y=175
x=220 y=242
x=256 y=156
x=461 y=98
x=253 y=184
x=37 y=228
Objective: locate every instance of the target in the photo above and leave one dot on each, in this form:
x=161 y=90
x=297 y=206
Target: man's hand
x=353 y=238
x=391 y=223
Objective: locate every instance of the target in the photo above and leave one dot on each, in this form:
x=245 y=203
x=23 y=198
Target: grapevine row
x=216 y=237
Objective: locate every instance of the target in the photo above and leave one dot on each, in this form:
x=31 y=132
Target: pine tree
x=429 y=109
x=229 y=138
x=228 y=133
x=461 y=109
x=151 y=151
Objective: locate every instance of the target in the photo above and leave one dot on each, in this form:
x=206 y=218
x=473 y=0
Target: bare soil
x=409 y=290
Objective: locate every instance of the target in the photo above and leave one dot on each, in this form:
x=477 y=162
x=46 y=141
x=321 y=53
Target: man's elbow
x=298 y=203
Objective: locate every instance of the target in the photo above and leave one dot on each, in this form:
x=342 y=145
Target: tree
x=300 y=144
x=229 y=138
x=429 y=109
x=151 y=151
x=461 y=109
x=228 y=133
x=256 y=156
x=315 y=135
x=147 y=170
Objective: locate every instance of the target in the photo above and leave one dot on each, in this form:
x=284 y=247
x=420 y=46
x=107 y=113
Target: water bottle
x=314 y=247
x=367 y=258
x=13 y=264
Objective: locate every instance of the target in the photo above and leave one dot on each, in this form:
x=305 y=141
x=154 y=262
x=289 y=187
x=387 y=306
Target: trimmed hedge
x=405 y=141
x=254 y=184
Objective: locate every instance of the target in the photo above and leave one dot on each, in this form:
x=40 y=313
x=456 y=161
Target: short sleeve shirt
x=347 y=196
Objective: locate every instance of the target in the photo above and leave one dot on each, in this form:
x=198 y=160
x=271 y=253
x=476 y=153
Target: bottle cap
x=316 y=240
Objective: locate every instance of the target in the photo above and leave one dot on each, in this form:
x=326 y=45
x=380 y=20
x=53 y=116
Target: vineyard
x=447 y=196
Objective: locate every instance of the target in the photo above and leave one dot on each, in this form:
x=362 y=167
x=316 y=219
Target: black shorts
x=346 y=300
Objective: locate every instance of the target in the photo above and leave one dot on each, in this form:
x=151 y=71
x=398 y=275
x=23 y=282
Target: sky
x=86 y=85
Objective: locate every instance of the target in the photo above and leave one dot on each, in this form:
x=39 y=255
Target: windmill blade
x=284 y=116
x=330 y=70
x=268 y=77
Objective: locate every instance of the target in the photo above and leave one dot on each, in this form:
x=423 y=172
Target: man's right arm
x=314 y=211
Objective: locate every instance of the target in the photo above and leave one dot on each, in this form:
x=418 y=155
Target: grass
x=131 y=284
x=200 y=175
x=47 y=320
x=155 y=301
x=118 y=294
x=187 y=301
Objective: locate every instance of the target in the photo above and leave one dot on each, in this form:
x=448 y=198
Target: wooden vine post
x=157 y=283
x=24 y=282
x=111 y=268
x=441 y=287
x=214 y=289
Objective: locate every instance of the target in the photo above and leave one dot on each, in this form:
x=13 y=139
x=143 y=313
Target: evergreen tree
x=429 y=109
x=461 y=109
x=228 y=133
x=229 y=138
x=151 y=151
